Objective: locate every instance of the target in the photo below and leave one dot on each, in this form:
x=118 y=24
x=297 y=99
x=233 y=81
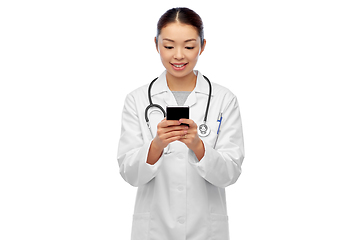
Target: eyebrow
x=189 y=40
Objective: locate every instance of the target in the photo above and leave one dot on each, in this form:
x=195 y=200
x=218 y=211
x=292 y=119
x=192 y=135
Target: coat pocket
x=140 y=226
x=219 y=227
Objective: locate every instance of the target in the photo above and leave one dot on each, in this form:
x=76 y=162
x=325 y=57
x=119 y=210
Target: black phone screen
x=177 y=112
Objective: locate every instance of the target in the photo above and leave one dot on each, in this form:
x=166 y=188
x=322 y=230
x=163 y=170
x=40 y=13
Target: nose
x=178 y=54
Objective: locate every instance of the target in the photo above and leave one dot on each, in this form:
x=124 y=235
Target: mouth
x=178 y=66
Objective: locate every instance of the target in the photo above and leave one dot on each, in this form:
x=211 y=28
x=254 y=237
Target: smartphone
x=177 y=112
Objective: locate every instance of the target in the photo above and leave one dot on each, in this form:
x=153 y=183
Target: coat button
x=181 y=220
x=181 y=156
x=181 y=188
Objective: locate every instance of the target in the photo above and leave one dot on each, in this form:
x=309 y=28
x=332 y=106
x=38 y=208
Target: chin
x=178 y=74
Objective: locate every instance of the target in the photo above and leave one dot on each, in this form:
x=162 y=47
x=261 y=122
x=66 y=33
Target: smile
x=178 y=66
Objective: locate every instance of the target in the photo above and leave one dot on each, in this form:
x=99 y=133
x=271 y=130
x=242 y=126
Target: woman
x=181 y=176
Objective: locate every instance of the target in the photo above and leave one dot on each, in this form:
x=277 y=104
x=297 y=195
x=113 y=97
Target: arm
x=139 y=160
x=222 y=166
x=155 y=153
x=133 y=149
x=167 y=131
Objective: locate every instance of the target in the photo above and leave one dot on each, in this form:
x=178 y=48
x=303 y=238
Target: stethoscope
x=203 y=129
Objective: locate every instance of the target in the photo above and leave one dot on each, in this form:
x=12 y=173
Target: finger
x=178 y=133
x=174 y=128
x=173 y=139
x=164 y=133
x=185 y=139
x=191 y=123
x=168 y=123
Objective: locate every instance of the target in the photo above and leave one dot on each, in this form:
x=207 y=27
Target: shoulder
x=141 y=93
x=135 y=99
x=144 y=89
x=221 y=91
x=137 y=96
x=217 y=89
x=224 y=95
x=138 y=91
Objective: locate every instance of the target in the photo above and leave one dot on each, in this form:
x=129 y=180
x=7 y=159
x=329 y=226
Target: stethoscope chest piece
x=203 y=130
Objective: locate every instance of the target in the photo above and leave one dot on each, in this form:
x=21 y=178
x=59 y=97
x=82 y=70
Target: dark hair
x=182 y=15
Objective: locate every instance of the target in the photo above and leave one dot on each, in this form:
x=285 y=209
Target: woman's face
x=179 y=46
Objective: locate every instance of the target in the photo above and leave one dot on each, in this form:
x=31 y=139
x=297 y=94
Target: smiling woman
x=179 y=46
x=180 y=41
x=181 y=191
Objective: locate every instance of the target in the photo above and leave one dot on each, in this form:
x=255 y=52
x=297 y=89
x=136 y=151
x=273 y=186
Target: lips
x=178 y=65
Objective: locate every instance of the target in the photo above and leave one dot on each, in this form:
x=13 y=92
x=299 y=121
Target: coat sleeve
x=222 y=166
x=133 y=149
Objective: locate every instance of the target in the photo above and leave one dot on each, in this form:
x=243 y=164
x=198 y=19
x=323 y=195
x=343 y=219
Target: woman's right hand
x=167 y=131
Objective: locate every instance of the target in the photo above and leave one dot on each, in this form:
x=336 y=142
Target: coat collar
x=160 y=87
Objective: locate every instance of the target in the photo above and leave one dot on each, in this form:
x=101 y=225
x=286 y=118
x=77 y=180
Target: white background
x=66 y=66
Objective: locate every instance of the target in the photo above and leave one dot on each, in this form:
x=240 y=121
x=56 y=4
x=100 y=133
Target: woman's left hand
x=192 y=140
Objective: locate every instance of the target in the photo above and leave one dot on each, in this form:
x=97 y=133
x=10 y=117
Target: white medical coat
x=180 y=197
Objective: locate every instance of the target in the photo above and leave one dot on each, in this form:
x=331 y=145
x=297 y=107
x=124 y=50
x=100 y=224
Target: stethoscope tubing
x=208 y=103
x=151 y=104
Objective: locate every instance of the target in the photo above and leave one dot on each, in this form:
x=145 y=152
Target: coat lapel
x=202 y=87
x=160 y=87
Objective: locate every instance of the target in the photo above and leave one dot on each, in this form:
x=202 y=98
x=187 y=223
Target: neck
x=186 y=83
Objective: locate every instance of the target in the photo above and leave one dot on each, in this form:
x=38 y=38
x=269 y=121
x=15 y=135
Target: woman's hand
x=192 y=140
x=169 y=131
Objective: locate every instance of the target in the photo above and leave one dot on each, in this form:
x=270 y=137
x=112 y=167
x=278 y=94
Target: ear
x=157 y=49
x=203 y=47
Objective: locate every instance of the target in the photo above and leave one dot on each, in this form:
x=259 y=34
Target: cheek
x=164 y=57
x=193 y=57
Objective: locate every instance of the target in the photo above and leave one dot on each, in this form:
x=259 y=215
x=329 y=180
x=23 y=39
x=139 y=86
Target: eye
x=189 y=48
x=168 y=47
